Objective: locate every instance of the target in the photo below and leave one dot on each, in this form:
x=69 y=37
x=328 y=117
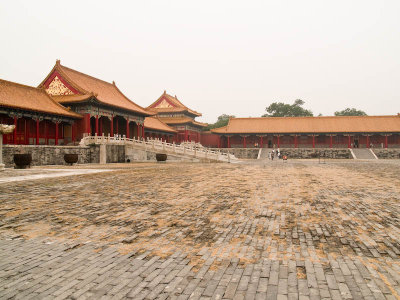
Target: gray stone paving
x=203 y=231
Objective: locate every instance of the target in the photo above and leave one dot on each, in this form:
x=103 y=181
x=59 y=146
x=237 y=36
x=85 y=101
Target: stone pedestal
x=4 y=129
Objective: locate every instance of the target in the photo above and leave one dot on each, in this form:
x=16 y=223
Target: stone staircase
x=184 y=150
x=363 y=153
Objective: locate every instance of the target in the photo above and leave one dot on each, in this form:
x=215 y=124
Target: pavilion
x=38 y=119
x=105 y=109
x=311 y=132
x=172 y=112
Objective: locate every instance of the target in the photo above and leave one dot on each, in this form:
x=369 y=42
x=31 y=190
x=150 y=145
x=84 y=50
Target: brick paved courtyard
x=297 y=230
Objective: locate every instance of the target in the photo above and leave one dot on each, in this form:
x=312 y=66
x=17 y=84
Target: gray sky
x=233 y=57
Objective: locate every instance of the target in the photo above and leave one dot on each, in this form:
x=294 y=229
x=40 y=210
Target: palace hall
x=69 y=105
x=311 y=132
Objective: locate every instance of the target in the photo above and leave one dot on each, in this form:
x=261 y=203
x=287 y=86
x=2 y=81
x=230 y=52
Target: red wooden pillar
x=127 y=128
x=261 y=142
x=186 y=135
x=244 y=142
x=367 y=141
x=56 y=137
x=112 y=126
x=349 y=141
x=37 y=132
x=331 y=141
x=116 y=125
x=313 y=141
x=26 y=134
x=386 y=141
x=295 y=141
x=139 y=131
x=97 y=124
x=143 y=130
x=101 y=126
x=87 y=121
x=15 y=130
x=46 y=132
x=73 y=132
x=229 y=141
x=279 y=142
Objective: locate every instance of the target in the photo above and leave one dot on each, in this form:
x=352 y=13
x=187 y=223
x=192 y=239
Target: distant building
x=172 y=112
x=311 y=132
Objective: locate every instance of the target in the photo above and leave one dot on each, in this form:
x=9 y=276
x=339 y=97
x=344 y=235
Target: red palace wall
x=320 y=141
x=209 y=139
x=191 y=136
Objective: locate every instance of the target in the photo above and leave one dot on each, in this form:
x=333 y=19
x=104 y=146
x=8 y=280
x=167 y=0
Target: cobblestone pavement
x=297 y=230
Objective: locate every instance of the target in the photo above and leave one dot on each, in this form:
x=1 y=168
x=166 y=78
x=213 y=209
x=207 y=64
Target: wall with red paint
x=208 y=139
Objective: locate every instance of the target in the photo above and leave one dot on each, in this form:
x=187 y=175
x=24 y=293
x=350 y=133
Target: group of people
x=274 y=153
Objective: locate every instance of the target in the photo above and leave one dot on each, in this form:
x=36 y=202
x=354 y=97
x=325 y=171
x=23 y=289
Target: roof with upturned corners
x=105 y=92
x=175 y=105
x=328 y=124
x=19 y=96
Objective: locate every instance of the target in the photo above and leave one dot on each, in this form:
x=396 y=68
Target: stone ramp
x=263 y=153
x=363 y=153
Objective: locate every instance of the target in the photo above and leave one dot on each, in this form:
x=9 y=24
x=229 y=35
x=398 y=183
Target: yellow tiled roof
x=156 y=124
x=105 y=92
x=176 y=105
x=331 y=124
x=15 y=95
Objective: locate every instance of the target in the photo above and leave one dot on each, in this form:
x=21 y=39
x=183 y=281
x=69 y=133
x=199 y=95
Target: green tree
x=221 y=121
x=280 y=109
x=350 y=112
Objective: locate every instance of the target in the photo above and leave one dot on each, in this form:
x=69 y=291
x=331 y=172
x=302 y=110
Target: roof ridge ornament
x=58 y=62
x=165 y=92
x=113 y=83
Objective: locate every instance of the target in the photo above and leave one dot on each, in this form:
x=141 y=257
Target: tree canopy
x=280 y=109
x=350 y=112
x=221 y=121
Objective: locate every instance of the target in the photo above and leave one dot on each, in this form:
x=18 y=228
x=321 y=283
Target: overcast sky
x=233 y=57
